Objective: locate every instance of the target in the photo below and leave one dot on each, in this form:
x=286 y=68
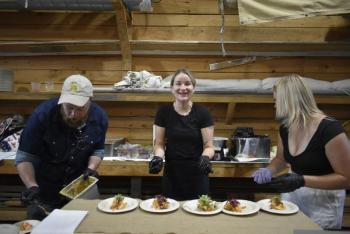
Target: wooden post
x=122 y=28
x=230 y=112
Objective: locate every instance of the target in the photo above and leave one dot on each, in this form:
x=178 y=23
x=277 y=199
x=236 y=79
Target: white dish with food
x=246 y=208
x=192 y=207
x=106 y=204
x=147 y=205
x=290 y=207
x=26 y=226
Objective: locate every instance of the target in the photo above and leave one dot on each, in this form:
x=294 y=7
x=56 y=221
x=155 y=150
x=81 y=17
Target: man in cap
x=62 y=139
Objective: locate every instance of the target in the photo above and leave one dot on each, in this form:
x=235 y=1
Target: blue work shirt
x=58 y=152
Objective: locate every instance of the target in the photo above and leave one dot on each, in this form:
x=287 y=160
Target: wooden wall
x=41 y=46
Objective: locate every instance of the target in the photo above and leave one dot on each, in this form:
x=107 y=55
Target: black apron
x=182 y=180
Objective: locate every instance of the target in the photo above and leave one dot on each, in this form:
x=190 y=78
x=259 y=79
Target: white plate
x=105 y=205
x=147 y=206
x=191 y=206
x=250 y=208
x=30 y=221
x=291 y=208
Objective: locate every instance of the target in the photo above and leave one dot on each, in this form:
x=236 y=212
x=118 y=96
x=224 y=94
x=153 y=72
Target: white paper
x=60 y=222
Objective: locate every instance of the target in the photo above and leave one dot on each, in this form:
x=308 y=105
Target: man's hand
x=205 y=165
x=89 y=172
x=31 y=195
x=287 y=182
x=38 y=211
x=262 y=176
x=155 y=165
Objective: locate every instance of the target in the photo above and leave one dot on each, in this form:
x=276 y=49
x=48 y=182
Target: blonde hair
x=184 y=71
x=295 y=102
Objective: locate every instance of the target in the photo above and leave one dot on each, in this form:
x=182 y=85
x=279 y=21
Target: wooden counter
x=134 y=168
x=140 y=169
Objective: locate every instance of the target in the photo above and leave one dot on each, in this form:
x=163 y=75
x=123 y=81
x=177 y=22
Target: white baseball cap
x=76 y=90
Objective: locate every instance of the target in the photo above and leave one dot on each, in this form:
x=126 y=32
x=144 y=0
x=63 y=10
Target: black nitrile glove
x=38 y=211
x=205 y=165
x=287 y=182
x=89 y=172
x=155 y=165
x=30 y=196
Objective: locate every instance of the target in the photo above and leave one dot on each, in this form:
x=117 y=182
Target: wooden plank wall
x=171 y=21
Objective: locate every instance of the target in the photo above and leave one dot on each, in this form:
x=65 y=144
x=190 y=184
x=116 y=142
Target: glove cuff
x=157 y=157
x=34 y=188
x=206 y=156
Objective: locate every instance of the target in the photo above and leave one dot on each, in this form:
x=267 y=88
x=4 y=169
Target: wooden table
x=180 y=221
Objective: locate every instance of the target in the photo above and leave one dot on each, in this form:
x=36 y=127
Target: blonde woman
x=318 y=151
x=183 y=136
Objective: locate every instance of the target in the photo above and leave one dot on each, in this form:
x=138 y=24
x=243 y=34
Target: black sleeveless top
x=313 y=160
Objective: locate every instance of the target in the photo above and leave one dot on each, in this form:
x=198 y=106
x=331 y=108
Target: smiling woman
x=184 y=137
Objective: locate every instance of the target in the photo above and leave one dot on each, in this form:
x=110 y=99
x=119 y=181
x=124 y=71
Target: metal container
x=110 y=144
x=80 y=188
x=220 y=148
x=220 y=142
x=251 y=147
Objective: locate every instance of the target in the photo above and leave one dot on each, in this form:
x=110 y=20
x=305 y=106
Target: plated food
x=26 y=226
x=276 y=208
x=240 y=207
x=117 y=204
x=203 y=206
x=277 y=204
x=205 y=203
x=234 y=205
x=159 y=204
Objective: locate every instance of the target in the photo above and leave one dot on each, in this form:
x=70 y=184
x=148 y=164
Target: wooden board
x=246 y=34
x=187 y=20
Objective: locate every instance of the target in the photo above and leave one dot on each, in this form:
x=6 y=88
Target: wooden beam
x=243 y=34
x=161 y=97
x=165 y=47
x=230 y=112
x=122 y=28
x=185 y=20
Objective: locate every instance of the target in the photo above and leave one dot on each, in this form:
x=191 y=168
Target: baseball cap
x=76 y=90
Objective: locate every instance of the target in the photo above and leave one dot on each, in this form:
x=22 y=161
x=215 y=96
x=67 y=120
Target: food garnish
x=206 y=204
x=118 y=202
x=234 y=205
x=277 y=204
x=160 y=202
x=25 y=226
